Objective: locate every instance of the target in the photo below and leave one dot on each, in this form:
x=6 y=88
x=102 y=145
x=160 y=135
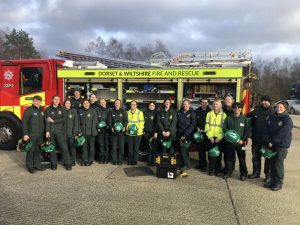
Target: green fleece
x=240 y=124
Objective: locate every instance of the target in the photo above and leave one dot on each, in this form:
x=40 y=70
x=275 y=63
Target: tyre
x=10 y=131
x=292 y=111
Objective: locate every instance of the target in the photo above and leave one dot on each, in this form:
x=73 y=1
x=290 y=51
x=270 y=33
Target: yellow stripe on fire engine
x=208 y=73
x=14 y=109
x=26 y=100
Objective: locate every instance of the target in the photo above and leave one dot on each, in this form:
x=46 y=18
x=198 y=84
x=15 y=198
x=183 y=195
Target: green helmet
x=79 y=141
x=133 y=129
x=118 y=126
x=198 y=137
x=24 y=146
x=214 y=152
x=267 y=153
x=184 y=143
x=101 y=124
x=232 y=136
x=167 y=143
x=48 y=146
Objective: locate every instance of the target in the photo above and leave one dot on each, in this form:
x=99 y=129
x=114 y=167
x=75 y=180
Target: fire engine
x=186 y=76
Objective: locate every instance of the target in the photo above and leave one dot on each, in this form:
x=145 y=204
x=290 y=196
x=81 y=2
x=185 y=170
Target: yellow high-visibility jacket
x=137 y=118
x=214 y=124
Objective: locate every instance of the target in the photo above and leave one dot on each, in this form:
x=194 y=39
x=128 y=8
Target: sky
x=269 y=28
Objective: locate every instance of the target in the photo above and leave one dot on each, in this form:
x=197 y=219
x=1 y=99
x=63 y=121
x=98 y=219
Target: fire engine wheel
x=10 y=132
x=292 y=111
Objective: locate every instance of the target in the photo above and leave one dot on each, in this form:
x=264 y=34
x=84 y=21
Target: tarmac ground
x=103 y=194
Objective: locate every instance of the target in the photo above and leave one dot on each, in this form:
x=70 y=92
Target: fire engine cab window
x=31 y=80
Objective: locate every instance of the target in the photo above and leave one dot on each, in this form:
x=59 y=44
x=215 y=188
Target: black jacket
x=76 y=103
x=102 y=114
x=227 y=111
x=95 y=106
x=33 y=123
x=72 y=125
x=186 y=122
x=88 y=122
x=167 y=121
x=115 y=116
x=59 y=115
x=150 y=117
x=201 y=117
x=259 y=117
x=279 y=130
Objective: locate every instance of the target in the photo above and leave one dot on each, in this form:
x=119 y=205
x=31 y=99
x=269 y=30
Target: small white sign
x=170 y=175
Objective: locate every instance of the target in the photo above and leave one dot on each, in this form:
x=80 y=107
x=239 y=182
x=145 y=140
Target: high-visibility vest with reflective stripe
x=214 y=124
x=137 y=118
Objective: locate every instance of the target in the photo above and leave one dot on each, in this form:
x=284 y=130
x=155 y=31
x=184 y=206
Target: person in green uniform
x=77 y=100
x=117 y=115
x=202 y=147
x=150 y=130
x=134 y=132
x=167 y=121
x=72 y=130
x=56 y=117
x=88 y=128
x=103 y=133
x=94 y=102
x=258 y=118
x=278 y=139
x=33 y=130
x=186 y=121
x=241 y=125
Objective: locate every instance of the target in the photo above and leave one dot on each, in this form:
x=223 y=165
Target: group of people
x=171 y=130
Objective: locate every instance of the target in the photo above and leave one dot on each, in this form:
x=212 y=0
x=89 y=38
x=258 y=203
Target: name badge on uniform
x=151 y=117
x=171 y=117
x=188 y=115
x=162 y=117
x=42 y=113
x=80 y=114
x=52 y=113
x=70 y=116
x=79 y=105
x=280 y=123
x=244 y=148
x=35 y=114
x=121 y=115
x=89 y=115
x=242 y=124
x=59 y=112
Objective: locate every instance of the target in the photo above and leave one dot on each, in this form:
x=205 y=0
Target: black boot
x=254 y=175
x=276 y=187
x=54 y=167
x=31 y=170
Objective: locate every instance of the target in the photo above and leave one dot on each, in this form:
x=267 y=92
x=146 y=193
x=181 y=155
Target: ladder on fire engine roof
x=109 y=62
x=203 y=59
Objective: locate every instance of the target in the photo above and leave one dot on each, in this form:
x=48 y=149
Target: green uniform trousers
x=71 y=148
x=133 y=148
x=103 y=139
x=117 y=142
x=60 y=141
x=88 y=149
x=277 y=165
x=33 y=156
